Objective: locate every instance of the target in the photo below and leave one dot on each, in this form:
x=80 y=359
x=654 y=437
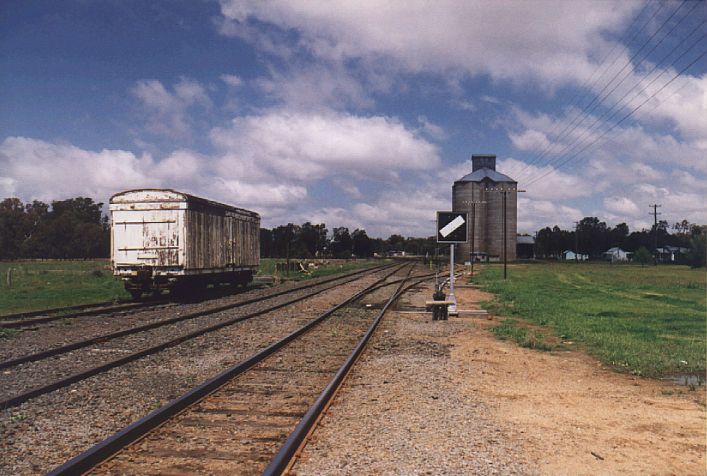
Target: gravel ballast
x=402 y=412
x=44 y=432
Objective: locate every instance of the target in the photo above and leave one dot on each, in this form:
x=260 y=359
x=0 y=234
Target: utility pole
x=473 y=228
x=504 y=191
x=452 y=307
x=576 y=241
x=655 y=214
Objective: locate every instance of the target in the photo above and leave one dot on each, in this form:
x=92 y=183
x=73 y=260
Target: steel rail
x=100 y=452
x=153 y=325
x=13 y=321
x=283 y=457
x=82 y=375
x=77 y=307
x=13 y=324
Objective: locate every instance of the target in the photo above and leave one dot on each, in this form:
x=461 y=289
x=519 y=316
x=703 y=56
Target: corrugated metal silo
x=480 y=195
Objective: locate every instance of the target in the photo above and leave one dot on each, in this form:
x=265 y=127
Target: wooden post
x=9 y=278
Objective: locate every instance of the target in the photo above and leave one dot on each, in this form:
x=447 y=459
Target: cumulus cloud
x=266 y=162
x=231 y=80
x=431 y=129
x=554 y=185
x=36 y=169
x=502 y=39
x=336 y=217
x=530 y=140
x=623 y=153
x=310 y=146
x=403 y=210
x=47 y=171
x=347 y=186
x=535 y=214
x=167 y=113
x=257 y=194
x=622 y=206
x=316 y=87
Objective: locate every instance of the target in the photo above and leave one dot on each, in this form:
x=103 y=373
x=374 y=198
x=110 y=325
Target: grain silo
x=481 y=194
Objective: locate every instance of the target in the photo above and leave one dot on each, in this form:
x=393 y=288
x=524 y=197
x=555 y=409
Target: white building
x=616 y=254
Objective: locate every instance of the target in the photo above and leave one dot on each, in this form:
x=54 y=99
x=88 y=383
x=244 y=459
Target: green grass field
x=46 y=284
x=649 y=321
x=40 y=285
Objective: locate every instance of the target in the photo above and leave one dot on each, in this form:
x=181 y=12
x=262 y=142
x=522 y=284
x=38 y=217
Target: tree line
x=67 y=229
x=77 y=229
x=311 y=240
x=593 y=237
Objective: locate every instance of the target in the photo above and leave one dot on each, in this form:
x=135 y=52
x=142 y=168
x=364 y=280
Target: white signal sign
x=452 y=227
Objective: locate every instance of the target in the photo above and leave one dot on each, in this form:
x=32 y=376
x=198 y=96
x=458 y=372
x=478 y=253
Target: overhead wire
x=587 y=86
x=655 y=106
x=620 y=121
x=577 y=141
x=583 y=113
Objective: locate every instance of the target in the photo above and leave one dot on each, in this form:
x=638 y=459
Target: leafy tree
x=13 y=228
x=313 y=238
x=76 y=228
x=643 y=256
x=696 y=257
x=341 y=243
x=73 y=228
x=361 y=244
x=266 y=243
x=682 y=227
x=617 y=235
x=592 y=236
x=286 y=241
x=395 y=243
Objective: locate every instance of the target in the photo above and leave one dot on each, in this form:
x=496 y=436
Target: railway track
x=109 y=308
x=58 y=350
x=15 y=321
x=253 y=416
x=42 y=381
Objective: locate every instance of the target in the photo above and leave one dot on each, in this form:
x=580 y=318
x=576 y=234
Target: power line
x=578 y=140
x=621 y=120
x=656 y=105
x=585 y=134
x=584 y=113
x=587 y=86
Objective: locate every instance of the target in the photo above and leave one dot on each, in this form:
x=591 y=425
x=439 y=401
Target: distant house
x=672 y=254
x=616 y=254
x=569 y=255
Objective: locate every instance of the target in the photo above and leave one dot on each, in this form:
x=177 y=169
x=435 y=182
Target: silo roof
x=481 y=174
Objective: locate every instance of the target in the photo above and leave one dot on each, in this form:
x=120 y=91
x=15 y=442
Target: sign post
x=452 y=227
x=452 y=297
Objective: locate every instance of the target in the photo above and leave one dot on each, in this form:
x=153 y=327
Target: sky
x=360 y=114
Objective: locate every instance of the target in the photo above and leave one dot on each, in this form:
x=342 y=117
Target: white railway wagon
x=168 y=239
